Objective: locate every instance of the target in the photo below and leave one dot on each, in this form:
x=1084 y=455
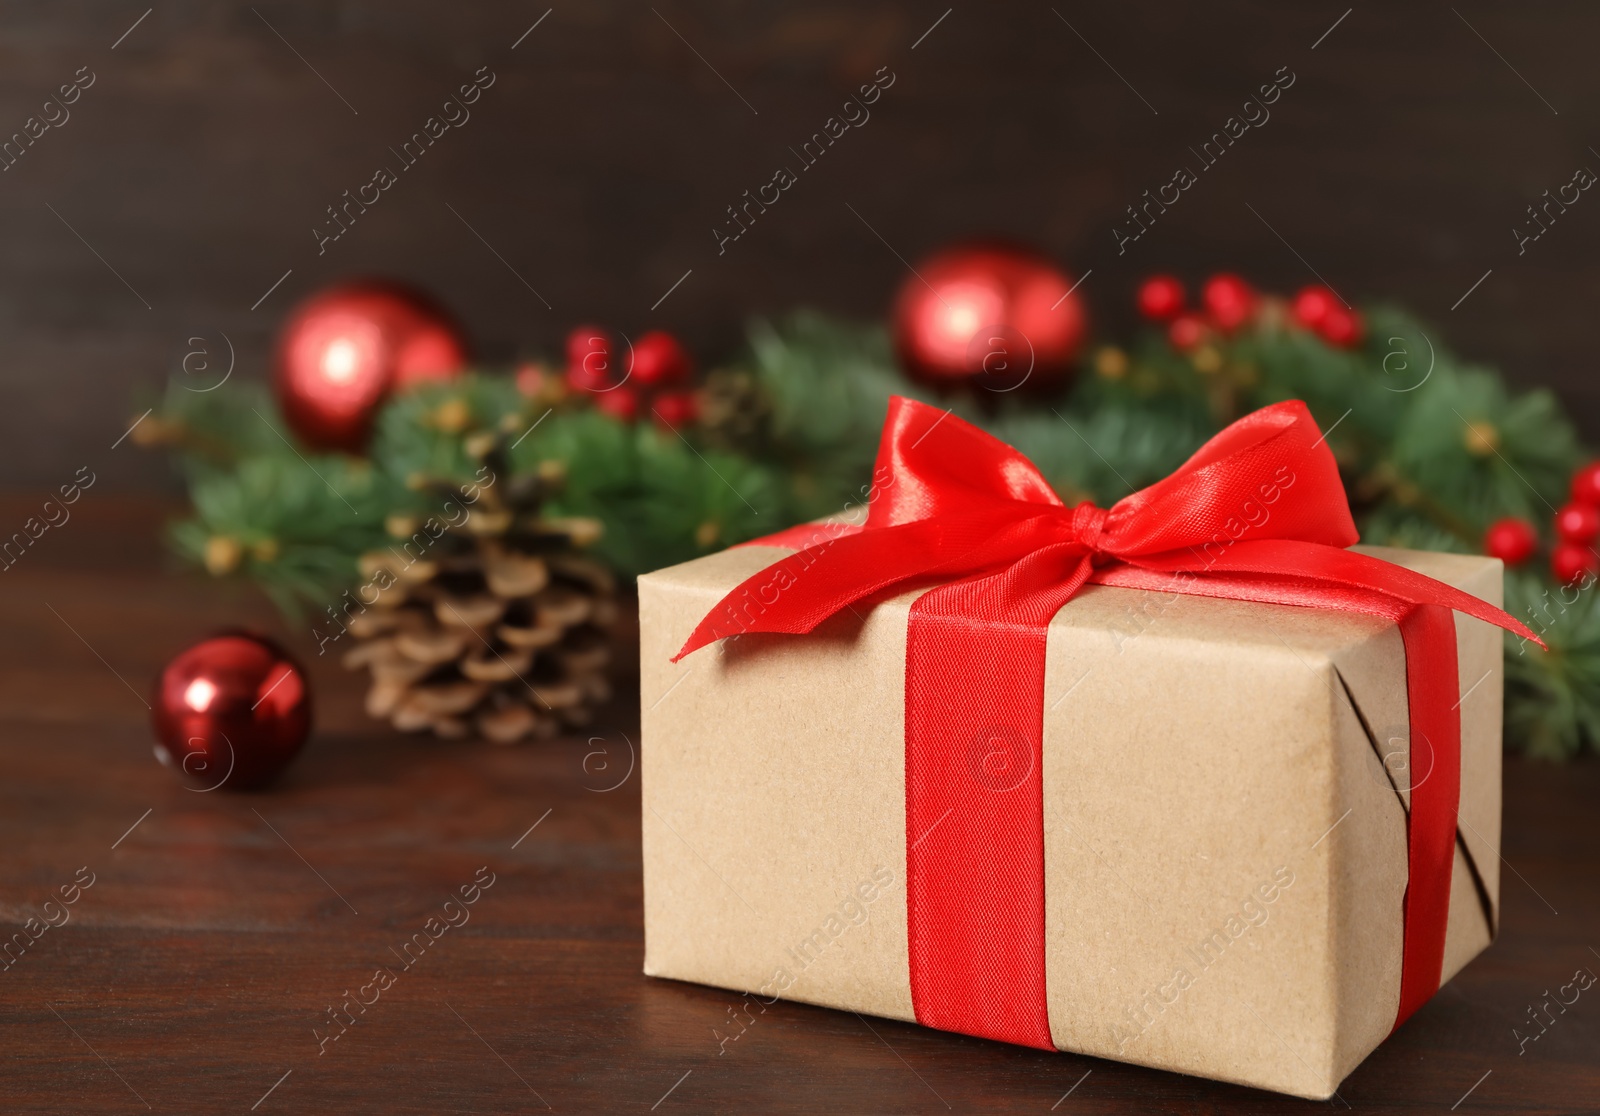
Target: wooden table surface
x=196 y=973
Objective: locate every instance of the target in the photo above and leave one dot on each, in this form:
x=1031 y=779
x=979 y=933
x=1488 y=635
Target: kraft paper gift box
x=1225 y=847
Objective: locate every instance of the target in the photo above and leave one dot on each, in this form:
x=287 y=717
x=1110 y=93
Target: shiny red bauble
x=990 y=316
x=1586 y=484
x=1511 y=540
x=231 y=711
x=658 y=359
x=344 y=350
x=1574 y=563
x=1229 y=301
x=1578 y=523
x=1160 y=298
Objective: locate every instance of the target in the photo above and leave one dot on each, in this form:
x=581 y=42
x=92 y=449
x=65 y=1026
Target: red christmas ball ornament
x=1187 y=332
x=1312 y=304
x=988 y=315
x=1511 y=540
x=1341 y=326
x=1574 y=562
x=1578 y=523
x=1586 y=484
x=1161 y=298
x=344 y=350
x=1229 y=301
x=231 y=711
x=676 y=409
x=659 y=359
x=621 y=403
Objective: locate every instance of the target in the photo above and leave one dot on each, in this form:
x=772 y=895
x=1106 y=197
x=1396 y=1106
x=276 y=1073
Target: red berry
x=1572 y=563
x=675 y=409
x=620 y=403
x=532 y=378
x=589 y=359
x=1578 y=523
x=1160 y=298
x=587 y=339
x=1311 y=305
x=1229 y=300
x=1511 y=540
x=659 y=359
x=1340 y=326
x=1586 y=484
x=584 y=377
x=1186 y=332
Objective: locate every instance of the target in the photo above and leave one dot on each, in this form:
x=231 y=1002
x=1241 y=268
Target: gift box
x=1234 y=814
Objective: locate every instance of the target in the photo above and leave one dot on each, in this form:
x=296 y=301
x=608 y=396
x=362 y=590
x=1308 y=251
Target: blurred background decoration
x=451 y=548
x=551 y=198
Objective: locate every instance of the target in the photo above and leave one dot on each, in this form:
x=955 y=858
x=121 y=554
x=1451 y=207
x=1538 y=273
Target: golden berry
x=1111 y=363
x=222 y=554
x=1482 y=438
x=452 y=416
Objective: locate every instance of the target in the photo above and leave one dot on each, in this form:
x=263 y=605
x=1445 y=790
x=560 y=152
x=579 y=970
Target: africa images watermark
x=1140 y=1016
x=1254 y=114
x=851 y=911
x=55 y=514
x=456 y=512
x=780 y=576
x=53 y=114
x=853 y=115
x=1581 y=981
x=1541 y=619
x=34 y=928
x=383 y=978
x=1582 y=179
x=1253 y=514
x=453 y=115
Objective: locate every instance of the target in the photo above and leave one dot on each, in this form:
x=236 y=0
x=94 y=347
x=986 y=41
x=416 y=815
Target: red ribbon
x=1258 y=514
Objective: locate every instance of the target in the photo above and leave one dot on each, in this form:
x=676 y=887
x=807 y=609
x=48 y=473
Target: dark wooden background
x=598 y=163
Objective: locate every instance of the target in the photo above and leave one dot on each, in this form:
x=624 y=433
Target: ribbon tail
x=1434 y=765
x=795 y=594
x=1293 y=559
x=836 y=573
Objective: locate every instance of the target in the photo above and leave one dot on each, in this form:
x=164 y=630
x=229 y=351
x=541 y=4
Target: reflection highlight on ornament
x=199 y=694
x=964 y=310
x=339 y=360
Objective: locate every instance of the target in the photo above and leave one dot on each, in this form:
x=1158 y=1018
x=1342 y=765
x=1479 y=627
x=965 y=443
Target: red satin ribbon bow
x=1258 y=513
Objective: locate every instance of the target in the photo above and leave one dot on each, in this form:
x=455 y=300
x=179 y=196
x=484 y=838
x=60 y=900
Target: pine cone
x=734 y=411
x=496 y=625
